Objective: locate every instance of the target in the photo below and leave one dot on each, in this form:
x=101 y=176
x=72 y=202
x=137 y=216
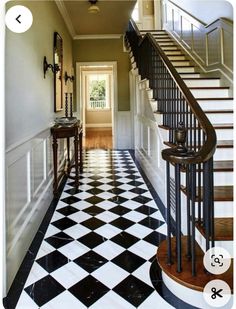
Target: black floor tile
x=125 y=239
x=146 y=210
x=118 y=199
x=142 y=199
x=94 y=210
x=120 y=210
x=122 y=223
x=70 y=200
x=68 y=210
x=91 y=240
x=133 y=290
x=64 y=223
x=93 y=223
x=94 y=200
x=52 y=261
x=128 y=261
x=44 y=290
x=89 y=290
x=155 y=238
x=90 y=261
x=151 y=222
x=58 y=240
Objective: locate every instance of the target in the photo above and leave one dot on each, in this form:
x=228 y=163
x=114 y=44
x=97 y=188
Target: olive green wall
x=102 y=50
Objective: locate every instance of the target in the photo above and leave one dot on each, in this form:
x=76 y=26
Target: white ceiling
x=110 y=21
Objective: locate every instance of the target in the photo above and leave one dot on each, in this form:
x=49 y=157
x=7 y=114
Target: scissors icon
x=216 y=293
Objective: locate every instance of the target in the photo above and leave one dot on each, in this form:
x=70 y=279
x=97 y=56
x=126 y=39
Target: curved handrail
x=208 y=148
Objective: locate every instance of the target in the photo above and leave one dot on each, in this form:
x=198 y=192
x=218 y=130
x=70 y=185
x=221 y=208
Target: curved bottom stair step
x=185 y=277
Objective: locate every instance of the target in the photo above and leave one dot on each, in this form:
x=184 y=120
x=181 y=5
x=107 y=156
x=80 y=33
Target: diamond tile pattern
x=102 y=238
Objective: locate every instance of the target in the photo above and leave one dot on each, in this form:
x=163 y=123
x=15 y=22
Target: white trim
x=98 y=125
x=79 y=92
x=97 y=36
x=2 y=148
x=62 y=9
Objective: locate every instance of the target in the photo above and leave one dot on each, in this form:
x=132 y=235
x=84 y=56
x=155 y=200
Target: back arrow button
x=17 y=18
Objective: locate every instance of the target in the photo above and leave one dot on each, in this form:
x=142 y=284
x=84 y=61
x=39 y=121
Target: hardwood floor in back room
x=98 y=139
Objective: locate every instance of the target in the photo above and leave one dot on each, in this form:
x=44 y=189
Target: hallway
x=102 y=238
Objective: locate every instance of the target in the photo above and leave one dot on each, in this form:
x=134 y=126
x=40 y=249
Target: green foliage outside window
x=97 y=90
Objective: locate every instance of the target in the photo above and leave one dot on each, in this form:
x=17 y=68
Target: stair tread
x=217 y=87
x=185 y=277
x=201 y=78
x=223 y=229
x=217 y=111
x=220 y=144
x=213 y=99
x=223 y=126
x=221 y=193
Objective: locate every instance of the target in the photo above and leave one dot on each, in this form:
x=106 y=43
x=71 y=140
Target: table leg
x=55 y=147
x=68 y=155
x=81 y=151
x=76 y=161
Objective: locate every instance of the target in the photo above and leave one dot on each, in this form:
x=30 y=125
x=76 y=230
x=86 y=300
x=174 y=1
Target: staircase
x=217 y=103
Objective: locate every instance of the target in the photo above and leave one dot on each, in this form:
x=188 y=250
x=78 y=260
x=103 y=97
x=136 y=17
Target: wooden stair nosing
x=219 y=126
x=185 y=277
x=220 y=144
x=208 y=88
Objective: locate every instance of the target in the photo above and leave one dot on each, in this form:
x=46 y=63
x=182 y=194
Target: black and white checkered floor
x=100 y=243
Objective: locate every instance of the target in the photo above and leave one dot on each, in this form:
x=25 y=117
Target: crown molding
x=97 y=36
x=62 y=9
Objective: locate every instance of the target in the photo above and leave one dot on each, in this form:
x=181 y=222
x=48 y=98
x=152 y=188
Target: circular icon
x=18 y=19
x=217 y=260
x=217 y=293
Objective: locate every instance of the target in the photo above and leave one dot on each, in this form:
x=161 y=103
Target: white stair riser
x=166 y=43
x=228 y=245
x=203 y=83
x=225 y=134
x=223 y=154
x=220 y=179
x=223 y=209
x=180 y=63
x=210 y=93
x=185 y=69
x=172 y=52
x=164 y=39
x=227 y=118
x=180 y=57
x=168 y=48
x=194 y=75
x=216 y=104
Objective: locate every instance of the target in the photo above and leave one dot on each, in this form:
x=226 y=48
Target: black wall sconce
x=68 y=77
x=55 y=68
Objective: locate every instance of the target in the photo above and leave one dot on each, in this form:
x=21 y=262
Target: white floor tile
x=44 y=249
x=69 y=274
x=109 y=249
x=116 y=274
x=143 y=249
x=26 y=302
x=111 y=300
x=77 y=231
x=107 y=216
x=73 y=250
x=139 y=230
x=79 y=216
x=36 y=273
x=134 y=216
x=64 y=301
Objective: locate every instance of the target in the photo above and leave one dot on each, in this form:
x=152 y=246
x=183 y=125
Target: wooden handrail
x=208 y=148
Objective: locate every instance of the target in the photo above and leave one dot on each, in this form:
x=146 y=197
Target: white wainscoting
x=124 y=130
x=29 y=178
x=211 y=46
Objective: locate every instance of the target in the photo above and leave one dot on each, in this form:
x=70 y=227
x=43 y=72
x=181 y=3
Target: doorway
x=97 y=102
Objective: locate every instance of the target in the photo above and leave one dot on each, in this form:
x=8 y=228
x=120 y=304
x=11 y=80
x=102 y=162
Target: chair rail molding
x=211 y=46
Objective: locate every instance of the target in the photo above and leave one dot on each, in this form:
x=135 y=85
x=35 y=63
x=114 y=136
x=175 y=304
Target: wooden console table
x=60 y=131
